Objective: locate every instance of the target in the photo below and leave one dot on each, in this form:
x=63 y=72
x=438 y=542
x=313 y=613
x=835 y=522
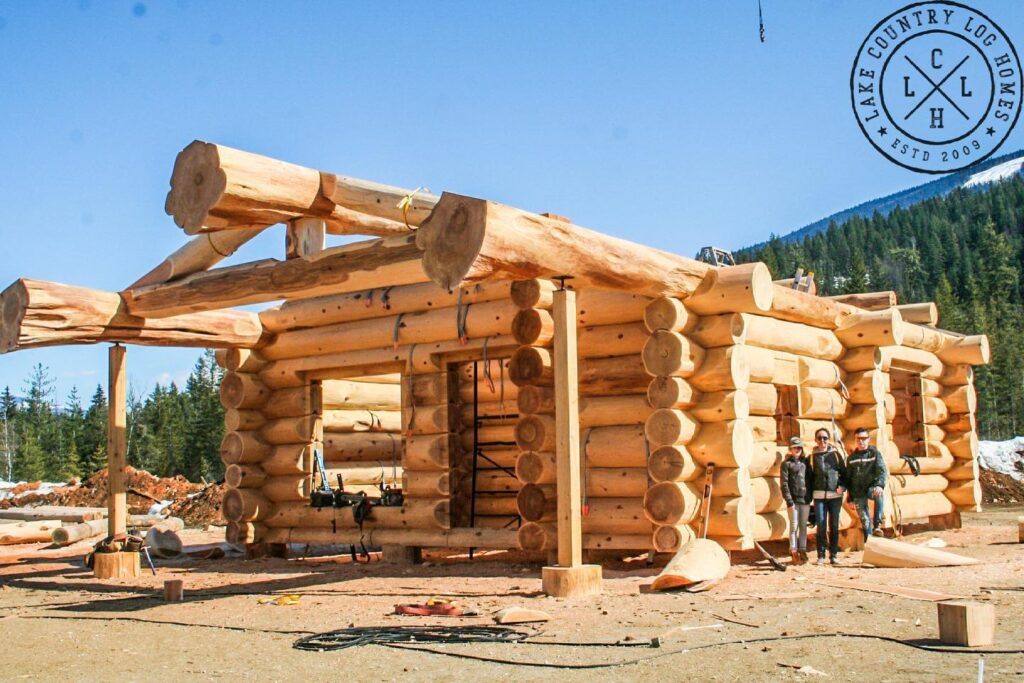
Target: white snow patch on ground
x=1003 y=456
x=44 y=487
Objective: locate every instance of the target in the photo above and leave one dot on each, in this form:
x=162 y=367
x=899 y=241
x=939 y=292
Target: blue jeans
x=827 y=511
x=866 y=521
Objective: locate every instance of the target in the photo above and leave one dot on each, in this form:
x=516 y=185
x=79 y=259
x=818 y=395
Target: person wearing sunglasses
x=866 y=475
x=829 y=486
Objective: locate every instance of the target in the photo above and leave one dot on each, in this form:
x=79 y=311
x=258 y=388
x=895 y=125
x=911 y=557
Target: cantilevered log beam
x=216 y=188
x=353 y=267
x=474 y=239
x=198 y=254
x=38 y=313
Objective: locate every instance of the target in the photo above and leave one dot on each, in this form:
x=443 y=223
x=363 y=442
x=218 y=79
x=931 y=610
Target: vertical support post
x=567 y=427
x=571 y=577
x=117 y=441
x=305 y=237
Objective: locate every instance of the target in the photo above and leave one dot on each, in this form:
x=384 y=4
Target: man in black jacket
x=796 y=481
x=866 y=475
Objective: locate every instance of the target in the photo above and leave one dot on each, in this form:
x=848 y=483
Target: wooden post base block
x=572 y=582
x=174 y=590
x=401 y=554
x=1020 y=529
x=967 y=623
x=119 y=565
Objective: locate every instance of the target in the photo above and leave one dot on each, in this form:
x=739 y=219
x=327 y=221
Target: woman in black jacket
x=796 y=480
x=829 y=486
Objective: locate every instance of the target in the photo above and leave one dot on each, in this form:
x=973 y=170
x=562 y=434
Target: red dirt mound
x=999 y=488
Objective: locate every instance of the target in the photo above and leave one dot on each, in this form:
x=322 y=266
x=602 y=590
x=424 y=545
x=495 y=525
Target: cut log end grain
x=535 y=503
x=672 y=463
x=672 y=503
x=452 y=238
x=533 y=326
x=197 y=184
x=531 y=293
x=670 y=353
x=530 y=365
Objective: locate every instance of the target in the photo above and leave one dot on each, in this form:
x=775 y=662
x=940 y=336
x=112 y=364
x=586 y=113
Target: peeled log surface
x=163 y=540
x=820 y=403
x=731 y=516
x=352 y=267
x=240 y=391
x=243 y=448
x=767 y=458
x=719 y=330
x=670 y=538
x=884 y=552
x=872 y=328
x=531 y=365
x=37 y=313
x=962 y=399
x=332 y=309
x=666 y=313
x=964 y=493
x=867 y=387
x=734 y=289
x=214 y=187
x=731 y=482
x=305 y=429
x=870 y=301
x=969 y=350
x=671 y=392
x=244 y=476
x=242 y=420
x=722 y=405
x=616 y=376
x=622 y=446
x=427 y=485
x=243 y=533
x=672 y=502
x=536 y=468
x=537 y=536
x=673 y=463
x=963 y=446
x=725 y=444
x=699 y=560
x=362 y=421
x=474 y=239
x=921 y=505
x=801 y=307
x=71 y=533
x=245 y=505
x=593 y=306
x=670 y=353
x=722 y=369
x=766 y=494
x=480 y=320
x=926 y=313
x=929 y=464
x=428 y=452
x=497 y=539
x=199 y=253
x=602 y=341
x=605 y=411
x=803 y=340
x=666 y=427
x=925 y=483
x=762 y=398
x=416 y=513
x=361 y=446
x=533 y=326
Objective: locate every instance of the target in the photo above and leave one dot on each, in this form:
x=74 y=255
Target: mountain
x=979 y=175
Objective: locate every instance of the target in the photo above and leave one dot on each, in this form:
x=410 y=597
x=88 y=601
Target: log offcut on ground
x=39 y=313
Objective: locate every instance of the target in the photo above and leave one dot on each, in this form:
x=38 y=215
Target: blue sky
x=666 y=123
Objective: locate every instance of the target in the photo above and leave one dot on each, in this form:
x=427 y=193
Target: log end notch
x=452 y=238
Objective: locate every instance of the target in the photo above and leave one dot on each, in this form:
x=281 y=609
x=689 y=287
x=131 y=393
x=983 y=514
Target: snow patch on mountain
x=1003 y=171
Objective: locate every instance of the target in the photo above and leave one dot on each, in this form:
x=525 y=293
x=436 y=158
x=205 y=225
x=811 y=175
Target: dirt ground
x=111 y=630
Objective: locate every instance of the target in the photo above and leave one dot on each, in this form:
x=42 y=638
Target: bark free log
x=37 y=313
x=199 y=253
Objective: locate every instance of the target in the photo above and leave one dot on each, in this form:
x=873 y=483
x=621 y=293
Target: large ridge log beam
x=214 y=187
x=38 y=313
x=363 y=265
x=474 y=239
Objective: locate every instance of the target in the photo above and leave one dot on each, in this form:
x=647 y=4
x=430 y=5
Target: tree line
x=170 y=431
x=963 y=251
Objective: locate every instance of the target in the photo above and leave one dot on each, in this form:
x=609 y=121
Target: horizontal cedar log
x=242 y=391
x=245 y=505
x=672 y=392
x=333 y=309
x=791 y=283
x=199 y=253
x=36 y=313
x=790 y=337
x=539 y=536
x=725 y=444
x=733 y=289
x=242 y=420
x=305 y=429
x=421 y=327
x=474 y=239
x=763 y=398
x=870 y=301
x=426 y=484
x=362 y=446
x=666 y=427
x=671 y=354
x=244 y=533
x=362 y=421
x=622 y=446
x=872 y=328
x=593 y=306
x=673 y=463
x=926 y=313
x=672 y=502
x=667 y=313
x=243 y=360
x=711 y=331
x=411 y=358
x=416 y=513
x=925 y=483
x=670 y=538
x=921 y=505
x=243 y=448
x=244 y=476
x=801 y=307
x=496 y=539
x=348 y=268
x=214 y=187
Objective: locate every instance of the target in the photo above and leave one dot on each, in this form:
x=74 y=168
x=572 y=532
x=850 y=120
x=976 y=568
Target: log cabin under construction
x=525 y=382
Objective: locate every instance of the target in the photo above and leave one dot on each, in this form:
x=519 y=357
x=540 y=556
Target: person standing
x=866 y=475
x=796 y=480
x=829 y=487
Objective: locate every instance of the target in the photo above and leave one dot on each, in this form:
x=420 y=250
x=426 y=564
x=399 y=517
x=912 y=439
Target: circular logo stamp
x=936 y=86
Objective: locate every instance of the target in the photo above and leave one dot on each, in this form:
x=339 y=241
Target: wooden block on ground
x=401 y=554
x=118 y=565
x=967 y=623
x=571 y=582
x=520 y=615
x=174 y=590
x=1020 y=529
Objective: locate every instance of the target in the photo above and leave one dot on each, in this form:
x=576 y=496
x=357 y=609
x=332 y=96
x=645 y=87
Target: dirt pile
x=999 y=488
x=144 y=489
x=201 y=509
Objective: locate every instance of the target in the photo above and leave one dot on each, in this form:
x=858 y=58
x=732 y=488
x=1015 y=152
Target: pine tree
x=93 y=441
